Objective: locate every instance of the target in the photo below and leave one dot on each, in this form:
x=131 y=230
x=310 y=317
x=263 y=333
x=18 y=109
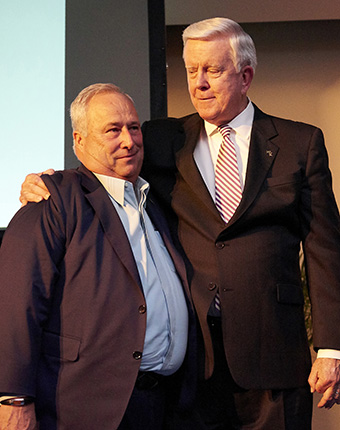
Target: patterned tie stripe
x=217 y=302
x=227 y=180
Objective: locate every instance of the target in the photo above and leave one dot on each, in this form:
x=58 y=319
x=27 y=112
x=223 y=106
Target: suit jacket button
x=220 y=245
x=211 y=286
x=142 y=309
x=137 y=355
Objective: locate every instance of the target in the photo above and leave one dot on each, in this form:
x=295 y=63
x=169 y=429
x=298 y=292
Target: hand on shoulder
x=33 y=189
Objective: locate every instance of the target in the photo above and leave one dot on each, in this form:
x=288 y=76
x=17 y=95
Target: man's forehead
x=213 y=50
x=112 y=104
x=110 y=98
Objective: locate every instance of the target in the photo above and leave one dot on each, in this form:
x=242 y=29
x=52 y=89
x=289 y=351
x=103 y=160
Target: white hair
x=242 y=45
x=78 y=109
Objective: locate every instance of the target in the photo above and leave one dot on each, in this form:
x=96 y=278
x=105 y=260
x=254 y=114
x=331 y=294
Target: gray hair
x=242 y=45
x=79 y=105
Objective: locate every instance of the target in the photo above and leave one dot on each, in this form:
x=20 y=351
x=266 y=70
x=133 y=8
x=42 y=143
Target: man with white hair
x=243 y=241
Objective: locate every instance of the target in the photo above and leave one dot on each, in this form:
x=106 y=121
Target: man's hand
x=33 y=188
x=325 y=378
x=18 y=417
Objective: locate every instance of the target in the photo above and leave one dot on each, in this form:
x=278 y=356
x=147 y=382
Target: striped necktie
x=228 y=192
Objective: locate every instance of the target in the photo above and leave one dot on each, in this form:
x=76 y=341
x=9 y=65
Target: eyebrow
x=120 y=124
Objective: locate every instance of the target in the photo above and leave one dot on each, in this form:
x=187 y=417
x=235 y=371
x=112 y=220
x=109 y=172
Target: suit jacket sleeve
x=321 y=242
x=32 y=249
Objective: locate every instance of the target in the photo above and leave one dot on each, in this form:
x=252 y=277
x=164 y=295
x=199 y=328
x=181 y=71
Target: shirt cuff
x=328 y=353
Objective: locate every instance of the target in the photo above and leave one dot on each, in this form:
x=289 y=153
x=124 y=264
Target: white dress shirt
x=207 y=148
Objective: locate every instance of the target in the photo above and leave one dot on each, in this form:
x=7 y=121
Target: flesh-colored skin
x=113 y=144
x=217 y=90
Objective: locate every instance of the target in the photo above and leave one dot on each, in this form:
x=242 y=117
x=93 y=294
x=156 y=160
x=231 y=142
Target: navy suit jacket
x=254 y=259
x=70 y=319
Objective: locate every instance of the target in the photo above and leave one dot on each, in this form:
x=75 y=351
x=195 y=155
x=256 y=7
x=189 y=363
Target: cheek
x=141 y=153
x=225 y=92
x=139 y=143
x=93 y=150
x=191 y=86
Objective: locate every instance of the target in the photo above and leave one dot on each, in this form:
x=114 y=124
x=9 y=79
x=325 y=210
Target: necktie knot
x=225 y=131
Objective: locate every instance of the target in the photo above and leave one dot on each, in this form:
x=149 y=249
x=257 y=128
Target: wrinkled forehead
x=207 y=52
x=110 y=98
x=112 y=105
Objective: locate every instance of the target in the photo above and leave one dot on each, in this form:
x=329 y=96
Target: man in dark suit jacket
x=93 y=317
x=254 y=352
x=257 y=344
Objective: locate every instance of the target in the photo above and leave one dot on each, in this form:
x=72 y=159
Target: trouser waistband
x=148 y=380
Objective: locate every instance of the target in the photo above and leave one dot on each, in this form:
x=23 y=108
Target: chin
x=210 y=118
x=131 y=174
x=206 y=114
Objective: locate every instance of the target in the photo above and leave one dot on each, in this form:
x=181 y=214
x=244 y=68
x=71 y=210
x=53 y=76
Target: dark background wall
x=115 y=41
x=106 y=41
x=119 y=41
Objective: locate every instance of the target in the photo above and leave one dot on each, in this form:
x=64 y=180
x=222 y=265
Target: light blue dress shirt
x=167 y=315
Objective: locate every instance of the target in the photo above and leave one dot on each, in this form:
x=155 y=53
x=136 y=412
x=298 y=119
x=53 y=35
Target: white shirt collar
x=117 y=188
x=241 y=124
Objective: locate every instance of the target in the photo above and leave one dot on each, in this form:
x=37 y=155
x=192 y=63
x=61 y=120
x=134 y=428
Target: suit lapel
x=110 y=221
x=187 y=167
x=262 y=153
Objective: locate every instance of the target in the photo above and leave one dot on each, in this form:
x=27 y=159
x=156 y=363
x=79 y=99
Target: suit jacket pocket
x=284 y=180
x=289 y=294
x=64 y=348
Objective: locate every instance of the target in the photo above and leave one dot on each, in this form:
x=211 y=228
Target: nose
x=126 y=139
x=201 y=80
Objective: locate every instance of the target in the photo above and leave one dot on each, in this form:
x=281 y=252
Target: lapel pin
x=269 y=153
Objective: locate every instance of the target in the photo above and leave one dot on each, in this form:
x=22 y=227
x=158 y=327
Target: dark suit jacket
x=71 y=306
x=254 y=260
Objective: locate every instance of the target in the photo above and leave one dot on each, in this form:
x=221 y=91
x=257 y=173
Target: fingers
x=26 y=197
x=330 y=398
x=312 y=380
x=47 y=172
x=327 y=399
x=34 y=189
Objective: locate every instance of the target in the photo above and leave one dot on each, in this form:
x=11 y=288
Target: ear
x=247 y=77
x=77 y=140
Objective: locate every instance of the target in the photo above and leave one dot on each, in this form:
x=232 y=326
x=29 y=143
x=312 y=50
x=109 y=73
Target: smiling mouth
x=128 y=155
x=203 y=99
